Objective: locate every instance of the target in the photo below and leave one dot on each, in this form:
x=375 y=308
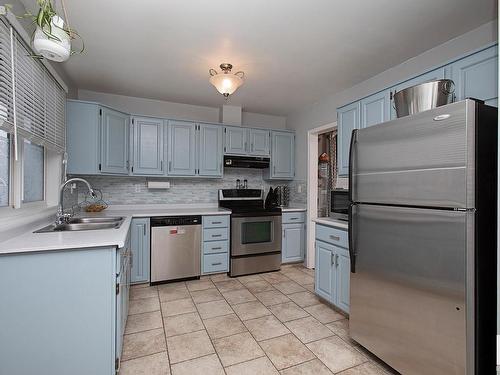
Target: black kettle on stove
x=272 y=199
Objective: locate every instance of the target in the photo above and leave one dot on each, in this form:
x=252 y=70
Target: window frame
x=16 y=181
x=43 y=202
x=10 y=197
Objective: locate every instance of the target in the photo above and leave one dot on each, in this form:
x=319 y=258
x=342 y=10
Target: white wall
x=324 y=112
x=262 y=120
x=160 y=108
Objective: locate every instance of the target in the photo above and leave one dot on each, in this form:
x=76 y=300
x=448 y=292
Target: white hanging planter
x=50 y=48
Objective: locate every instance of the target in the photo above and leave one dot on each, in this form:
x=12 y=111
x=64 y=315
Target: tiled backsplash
x=133 y=190
x=297 y=197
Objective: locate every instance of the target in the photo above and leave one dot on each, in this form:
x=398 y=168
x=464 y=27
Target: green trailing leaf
x=43 y=20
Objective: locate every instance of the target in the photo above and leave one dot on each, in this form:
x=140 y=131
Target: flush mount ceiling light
x=226 y=82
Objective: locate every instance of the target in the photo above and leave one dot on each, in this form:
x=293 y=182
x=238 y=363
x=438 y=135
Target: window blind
x=39 y=100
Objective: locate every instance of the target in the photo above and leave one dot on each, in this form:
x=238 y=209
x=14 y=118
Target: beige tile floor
x=260 y=324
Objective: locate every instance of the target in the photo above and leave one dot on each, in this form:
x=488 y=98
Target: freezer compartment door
x=421 y=160
x=408 y=291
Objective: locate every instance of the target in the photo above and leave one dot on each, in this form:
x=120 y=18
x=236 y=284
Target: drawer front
x=221 y=221
x=293 y=217
x=215 y=263
x=337 y=237
x=214 y=247
x=215 y=234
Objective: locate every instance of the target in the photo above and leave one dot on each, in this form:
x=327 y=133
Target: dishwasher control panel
x=170 y=221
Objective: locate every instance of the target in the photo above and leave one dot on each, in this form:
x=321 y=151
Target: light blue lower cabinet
x=63 y=316
x=140 y=246
x=215 y=246
x=333 y=267
x=324 y=270
x=215 y=263
x=342 y=279
x=122 y=291
x=215 y=234
x=292 y=242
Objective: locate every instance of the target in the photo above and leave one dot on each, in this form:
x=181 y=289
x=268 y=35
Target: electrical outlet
x=72 y=187
x=137 y=188
x=299 y=188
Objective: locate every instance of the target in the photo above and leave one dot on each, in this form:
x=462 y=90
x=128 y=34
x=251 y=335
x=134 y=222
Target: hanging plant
x=52 y=37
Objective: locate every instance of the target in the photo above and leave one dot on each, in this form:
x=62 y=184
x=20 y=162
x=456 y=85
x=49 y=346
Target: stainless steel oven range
x=255 y=232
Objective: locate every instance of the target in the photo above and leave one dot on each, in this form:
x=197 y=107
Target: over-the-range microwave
x=339 y=204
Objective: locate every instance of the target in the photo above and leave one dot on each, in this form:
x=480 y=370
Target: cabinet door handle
x=161 y=165
x=169 y=166
x=294 y=218
x=274 y=170
x=144 y=229
x=335 y=238
x=332 y=259
x=336 y=260
x=216 y=222
x=216 y=264
x=216 y=235
x=217 y=248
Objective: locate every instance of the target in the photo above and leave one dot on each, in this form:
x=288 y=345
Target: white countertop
x=332 y=222
x=159 y=210
x=36 y=242
x=294 y=208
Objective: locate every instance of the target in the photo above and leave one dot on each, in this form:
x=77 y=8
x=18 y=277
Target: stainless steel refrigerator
x=422 y=235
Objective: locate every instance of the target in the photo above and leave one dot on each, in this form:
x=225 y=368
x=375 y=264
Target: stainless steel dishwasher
x=175 y=248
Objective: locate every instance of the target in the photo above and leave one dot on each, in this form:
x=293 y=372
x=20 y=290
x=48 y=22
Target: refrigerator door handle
x=351 y=157
x=350 y=231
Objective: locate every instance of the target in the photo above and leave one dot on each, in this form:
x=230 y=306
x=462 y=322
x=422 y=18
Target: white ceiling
x=293 y=52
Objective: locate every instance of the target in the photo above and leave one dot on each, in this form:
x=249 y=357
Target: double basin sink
x=84 y=223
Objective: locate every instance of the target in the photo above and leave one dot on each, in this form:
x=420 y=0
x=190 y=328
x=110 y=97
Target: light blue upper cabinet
x=476 y=76
x=259 y=140
x=114 y=141
x=147 y=146
x=210 y=150
x=438 y=73
x=236 y=140
x=282 y=156
x=140 y=247
x=82 y=137
x=181 y=148
x=375 y=109
x=348 y=119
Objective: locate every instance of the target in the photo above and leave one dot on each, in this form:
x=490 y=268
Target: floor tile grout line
x=142 y=356
x=144 y=312
x=211 y=341
x=145 y=330
x=261 y=348
x=349 y=368
x=164 y=333
x=180 y=334
x=244 y=287
x=242 y=322
x=309 y=342
x=258 y=343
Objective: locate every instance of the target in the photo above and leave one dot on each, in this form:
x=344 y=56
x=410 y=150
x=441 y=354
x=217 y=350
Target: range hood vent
x=246 y=162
